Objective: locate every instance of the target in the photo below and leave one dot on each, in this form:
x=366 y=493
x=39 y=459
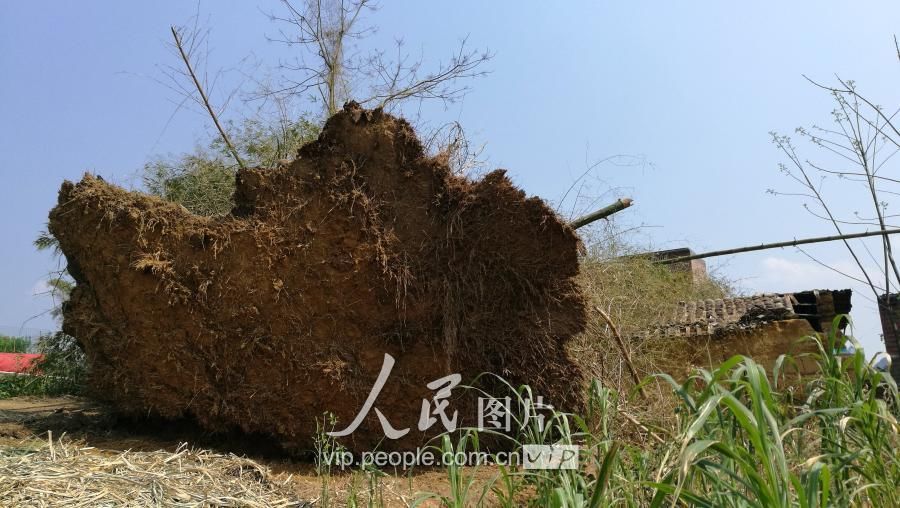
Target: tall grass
x=638 y=295
x=744 y=436
x=743 y=443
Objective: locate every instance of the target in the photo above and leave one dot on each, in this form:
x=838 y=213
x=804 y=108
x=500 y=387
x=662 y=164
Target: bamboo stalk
x=602 y=213
x=776 y=245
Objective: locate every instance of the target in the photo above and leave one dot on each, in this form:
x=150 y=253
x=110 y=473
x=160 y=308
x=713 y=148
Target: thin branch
x=833 y=269
x=625 y=354
x=326 y=30
x=190 y=69
x=643 y=427
x=784 y=143
x=851 y=173
x=400 y=82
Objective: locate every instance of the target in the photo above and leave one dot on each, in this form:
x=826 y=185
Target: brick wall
x=763 y=344
x=889 y=308
x=696 y=267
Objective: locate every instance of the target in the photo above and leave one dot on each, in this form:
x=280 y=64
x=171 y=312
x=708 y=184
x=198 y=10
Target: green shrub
x=61 y=371
x=203 y=181
x=14 y=344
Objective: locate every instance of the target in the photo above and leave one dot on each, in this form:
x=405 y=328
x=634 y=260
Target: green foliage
x=61 y=371
x=327 y=450
x=462 y=491
x=743 y=443
x=59 y=283
x=14 y=344
x=64 y=367
x=13 y=386
x=46 y=241
x=264 y=144
x=638 y=295
x=203 y=181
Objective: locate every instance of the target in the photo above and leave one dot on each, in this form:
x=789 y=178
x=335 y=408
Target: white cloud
x=779 y=275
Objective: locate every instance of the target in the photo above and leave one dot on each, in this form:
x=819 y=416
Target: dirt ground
x=27 y=422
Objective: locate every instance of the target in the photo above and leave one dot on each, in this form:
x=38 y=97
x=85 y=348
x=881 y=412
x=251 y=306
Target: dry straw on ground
x=64 y=472
x=636 y=294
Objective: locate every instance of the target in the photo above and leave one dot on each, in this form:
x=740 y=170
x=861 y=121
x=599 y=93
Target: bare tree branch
x=625 y=354
x=400 y=81
x=784 y=144
x=186 y=52
x=331 y=70
x=833 y=269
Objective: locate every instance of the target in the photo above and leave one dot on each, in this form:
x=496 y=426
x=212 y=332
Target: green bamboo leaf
x=603 y=475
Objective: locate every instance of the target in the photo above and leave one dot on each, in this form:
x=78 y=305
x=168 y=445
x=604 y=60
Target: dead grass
x=636 y=294
x=65 y=472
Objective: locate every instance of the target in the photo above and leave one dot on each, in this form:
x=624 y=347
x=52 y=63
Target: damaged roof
x=723 y=315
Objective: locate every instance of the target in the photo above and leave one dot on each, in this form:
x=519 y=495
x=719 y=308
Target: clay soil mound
x=267 y=318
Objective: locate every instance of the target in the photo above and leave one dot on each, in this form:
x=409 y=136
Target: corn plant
x=461 y=484
x=743 y=437
x=742 y=444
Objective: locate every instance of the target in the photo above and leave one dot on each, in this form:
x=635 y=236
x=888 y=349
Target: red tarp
x=17 y=362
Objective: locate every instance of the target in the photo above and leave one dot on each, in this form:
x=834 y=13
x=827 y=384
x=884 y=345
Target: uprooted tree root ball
x=283 y=310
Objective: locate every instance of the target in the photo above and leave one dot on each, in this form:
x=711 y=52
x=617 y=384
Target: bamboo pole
x=602 y=213
x=790 y=243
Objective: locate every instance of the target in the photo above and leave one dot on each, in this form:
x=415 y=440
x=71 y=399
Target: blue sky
x=692 y=89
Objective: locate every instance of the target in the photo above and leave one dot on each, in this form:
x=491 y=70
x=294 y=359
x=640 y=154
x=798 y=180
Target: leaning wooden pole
x=790 y=243
x=602 y=213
